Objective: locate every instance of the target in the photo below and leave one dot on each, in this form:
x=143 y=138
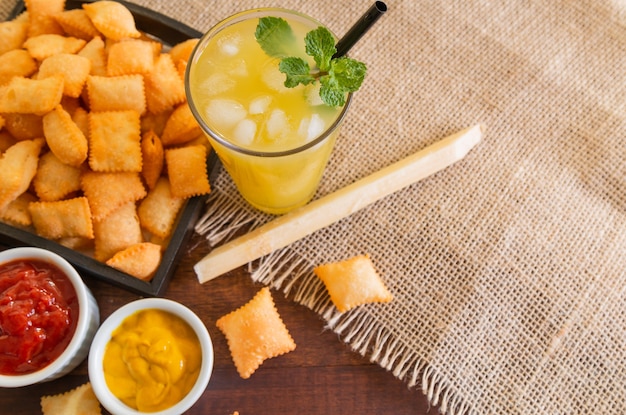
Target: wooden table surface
x=322 y=376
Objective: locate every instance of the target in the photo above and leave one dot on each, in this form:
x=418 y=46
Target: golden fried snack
x=255 y=332
x=43 y=46
x=158 y=211
x=183 y=50
x=54 y=179
x=112 y=19
x=62 y=219
x=141 y=260
x=77 y=24
x=32 y=96
x=95 y=52
x=16 y=213
x=181 y=127
x=79 y=401
x=41 y=16
x=353 y=282
x=134 y=56
x=153 y=158
x=13 y=34
x=186 y=169
x=116 y=93
x=107 y=192
x=23 y=126
x=14 y=63
x=64 y=138
x=115 y=141
x=117 y=231
x=18 y=166
x=164 y=87
x=73 y=68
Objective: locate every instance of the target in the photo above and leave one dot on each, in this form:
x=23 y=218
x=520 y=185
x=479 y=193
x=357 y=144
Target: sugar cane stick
x=326 y=210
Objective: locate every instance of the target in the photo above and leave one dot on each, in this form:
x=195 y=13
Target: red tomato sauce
x=38 y=315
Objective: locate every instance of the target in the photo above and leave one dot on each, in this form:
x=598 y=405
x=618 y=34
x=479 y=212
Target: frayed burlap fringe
x=287 y=271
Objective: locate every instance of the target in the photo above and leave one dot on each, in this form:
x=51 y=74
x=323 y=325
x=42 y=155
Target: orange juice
x=274 y=141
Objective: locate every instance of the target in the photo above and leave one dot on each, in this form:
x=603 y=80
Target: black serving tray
x=169 y=32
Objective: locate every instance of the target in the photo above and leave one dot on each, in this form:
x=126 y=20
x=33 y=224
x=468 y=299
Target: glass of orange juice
x=273 y=141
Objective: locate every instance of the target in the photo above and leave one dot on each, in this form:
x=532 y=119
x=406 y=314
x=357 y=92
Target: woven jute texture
x=508 y=269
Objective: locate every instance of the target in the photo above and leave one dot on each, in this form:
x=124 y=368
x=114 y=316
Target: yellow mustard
x=152 y=360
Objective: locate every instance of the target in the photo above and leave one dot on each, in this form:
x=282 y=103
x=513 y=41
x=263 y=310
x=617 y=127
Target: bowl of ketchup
x=48 y=317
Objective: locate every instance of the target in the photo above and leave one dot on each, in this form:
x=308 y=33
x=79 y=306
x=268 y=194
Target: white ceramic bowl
x=96 y=355
x=88 y=321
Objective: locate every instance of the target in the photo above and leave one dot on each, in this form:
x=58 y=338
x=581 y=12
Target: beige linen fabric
x=509 y=268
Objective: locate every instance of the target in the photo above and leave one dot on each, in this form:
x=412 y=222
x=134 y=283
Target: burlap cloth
x=509 y=268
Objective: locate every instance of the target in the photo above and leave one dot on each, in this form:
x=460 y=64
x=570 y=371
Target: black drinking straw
x=360 y=27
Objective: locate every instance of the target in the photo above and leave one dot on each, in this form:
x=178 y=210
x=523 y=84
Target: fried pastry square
x=94 y=50
x=43 y=46
x=54 y=179
x=18 y=166
x=41 y=16
x=117 y=231
x=79 y=401
x=182 y=51
x=62 y=219
x=164 y=87
x=73 y=68
x=14 y=63
x=77 y=24
x=141 y=260
x=155 y=122
x=32 y=96
x=16 y=213
x=153 y=158
x=112 y=19
x=64 y=138
x=353 y=282
x=13 y=34
x=158 y=211
x=115 y=141
x=180 y=127
x=255 y=332
x=116 y=93
x=107 y=192
x=186 y=169
x=133 y=56
x=23 y=126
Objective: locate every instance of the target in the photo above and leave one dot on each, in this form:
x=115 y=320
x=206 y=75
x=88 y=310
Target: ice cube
x=260 y=104
x=225 y=113
x=316 y=127
x=216 y=84
x=273 y=78
x=239 y=68
x=312 y=94
x=229 y=45
x=277 y=124
x=244 y=132
x=303 y=129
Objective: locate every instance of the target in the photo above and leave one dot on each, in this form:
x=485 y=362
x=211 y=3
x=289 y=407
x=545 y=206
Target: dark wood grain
x=322 y=376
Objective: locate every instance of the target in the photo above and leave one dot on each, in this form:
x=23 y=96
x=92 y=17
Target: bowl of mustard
x=152 y=355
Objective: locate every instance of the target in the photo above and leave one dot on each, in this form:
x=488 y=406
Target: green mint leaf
x=275 y=36
x=330 y=94
x=337 y=76
x=320 y=44
x=348 y=73
x=297 y=71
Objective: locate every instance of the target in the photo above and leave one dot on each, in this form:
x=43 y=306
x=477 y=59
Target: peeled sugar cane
x=326 y=210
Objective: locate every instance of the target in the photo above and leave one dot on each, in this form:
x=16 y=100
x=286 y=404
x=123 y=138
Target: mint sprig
x=337 y=76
